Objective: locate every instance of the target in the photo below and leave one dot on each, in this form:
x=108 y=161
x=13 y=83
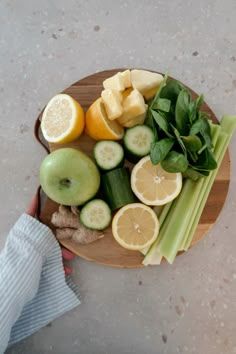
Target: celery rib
x=181 y=220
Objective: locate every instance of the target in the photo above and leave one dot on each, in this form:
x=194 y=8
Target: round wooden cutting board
x=107 y=251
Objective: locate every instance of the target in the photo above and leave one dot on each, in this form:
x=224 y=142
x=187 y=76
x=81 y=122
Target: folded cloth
x=33 y=287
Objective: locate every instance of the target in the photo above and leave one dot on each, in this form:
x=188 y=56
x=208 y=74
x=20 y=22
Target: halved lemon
x=135 y=226
x=62 y=119
x=98 y=126
x=153 y=185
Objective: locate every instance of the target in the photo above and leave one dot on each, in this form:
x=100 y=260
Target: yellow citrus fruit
x=135 y=226
x=62 y=119
x=153 y=185
x=98 y=126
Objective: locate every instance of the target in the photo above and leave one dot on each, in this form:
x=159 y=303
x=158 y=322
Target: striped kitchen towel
x=33 y=287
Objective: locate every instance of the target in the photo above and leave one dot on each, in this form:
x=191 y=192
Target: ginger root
x=65 y=218
x=68 y=226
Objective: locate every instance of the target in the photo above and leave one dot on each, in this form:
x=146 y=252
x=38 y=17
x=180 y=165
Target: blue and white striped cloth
x=33 y=287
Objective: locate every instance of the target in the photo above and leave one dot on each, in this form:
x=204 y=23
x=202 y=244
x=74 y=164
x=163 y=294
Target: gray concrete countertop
x=45 y=46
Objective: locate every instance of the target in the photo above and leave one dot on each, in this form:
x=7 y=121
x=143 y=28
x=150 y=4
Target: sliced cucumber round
x=95 y=215
x=137 y=142
x=108 y=154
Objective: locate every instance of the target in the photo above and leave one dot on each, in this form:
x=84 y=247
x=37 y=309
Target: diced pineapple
x=134 y=104
x=128 y=123
x=112 y=100
x=118 y=94
x=126 y=75
x=134 y=108
x=126 y=92
x=150 y=93
x=145 y=81
x=115 y=82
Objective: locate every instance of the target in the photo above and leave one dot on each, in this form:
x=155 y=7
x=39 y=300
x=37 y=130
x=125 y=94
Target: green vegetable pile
x=183 y=141
x=179 y=219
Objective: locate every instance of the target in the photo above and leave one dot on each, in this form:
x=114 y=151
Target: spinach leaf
x=202 y=126
x=196 y=127
x=206 y=161
x=205 y=129
x=163 y=104
x=178 y=137
x=172 y=90
x=181 y=112
x=199 y=102
x=160 y=149
x=174 y=162
x=192 y=155
x=161 y=122
x=194 y=108
x=154 y=129
x=162 y=85
x=192 y=142
x=148 y=119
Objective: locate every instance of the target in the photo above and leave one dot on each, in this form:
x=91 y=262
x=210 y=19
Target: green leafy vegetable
x=181 y=112
x=182 y=217
x=173 y=115
x=192 y=142
x=171 y=90
x=175 y=162
x=163 y=104
x=160 y=149
x=161 y=122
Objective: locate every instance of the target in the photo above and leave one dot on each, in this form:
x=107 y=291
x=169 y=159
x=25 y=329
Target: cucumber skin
x=121 y=193
x=131 y=157
x=92 y=228
x=103 y=170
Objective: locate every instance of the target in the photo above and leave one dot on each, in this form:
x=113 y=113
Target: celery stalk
x=161 y=213
x=153 y=253
x=184 y=207
x=181 y=221
x=222 y=147
x=228 y=125
x=215 y=131
x=178 y=219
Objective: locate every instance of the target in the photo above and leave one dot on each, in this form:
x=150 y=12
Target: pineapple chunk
x=112 y=100
x=150 y=93
x=126 y=92
x=145 y=81
x=134 y=108
x=128 y=123
x=126 y=75
x=115 y=82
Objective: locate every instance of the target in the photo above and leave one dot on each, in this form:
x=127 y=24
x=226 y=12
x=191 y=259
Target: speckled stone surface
x=45 y=46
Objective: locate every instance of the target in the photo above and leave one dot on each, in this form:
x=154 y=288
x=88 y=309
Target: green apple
x=69 y=177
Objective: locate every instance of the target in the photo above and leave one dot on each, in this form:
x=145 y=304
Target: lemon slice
x=135 y=226
x=62 y=119
x=153 y=185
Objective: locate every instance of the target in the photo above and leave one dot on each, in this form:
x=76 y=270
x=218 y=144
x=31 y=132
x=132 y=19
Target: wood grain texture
x=107 y=251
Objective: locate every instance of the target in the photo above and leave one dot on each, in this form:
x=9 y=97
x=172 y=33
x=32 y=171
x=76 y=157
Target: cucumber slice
x=108 y=154
x=137 y=142
x=95 y=215
x=116 y=188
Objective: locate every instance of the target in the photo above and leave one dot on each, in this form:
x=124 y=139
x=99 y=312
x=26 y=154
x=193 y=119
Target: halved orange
x=98 y=126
